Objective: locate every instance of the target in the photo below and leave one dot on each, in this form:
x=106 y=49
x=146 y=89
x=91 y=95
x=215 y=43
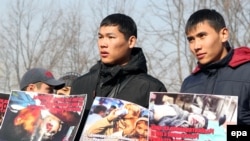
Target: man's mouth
x=200 y=56
x=104 y=54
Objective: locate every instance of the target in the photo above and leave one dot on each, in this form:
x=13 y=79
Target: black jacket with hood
x=229 y=76
x=102 y=79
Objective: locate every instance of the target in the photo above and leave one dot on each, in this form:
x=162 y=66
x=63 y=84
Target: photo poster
x=190 y=117
x=4 y=98
x=114 y=119
x=32 y=116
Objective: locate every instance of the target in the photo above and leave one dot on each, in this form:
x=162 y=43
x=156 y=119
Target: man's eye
x=190 y=40
x=202 y=36
x=111 y=37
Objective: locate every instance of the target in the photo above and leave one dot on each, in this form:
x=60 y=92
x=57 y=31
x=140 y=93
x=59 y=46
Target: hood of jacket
x=109 y=76
x=137 y=63
x=235 y=58
x=241 y=56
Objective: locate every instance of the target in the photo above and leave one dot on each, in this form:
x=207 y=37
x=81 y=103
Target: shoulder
x=93 y=72
x=240 y=72
x=149 y=80
x=193 y=81
x=86 y=77
x=85 y=83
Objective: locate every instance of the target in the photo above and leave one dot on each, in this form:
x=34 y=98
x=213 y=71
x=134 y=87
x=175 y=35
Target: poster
x=4 y=98
x=114 y=119
x=190 y=117
x=34 y=116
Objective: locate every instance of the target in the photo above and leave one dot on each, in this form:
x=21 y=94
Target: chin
x=203 y=62
x=108 y=63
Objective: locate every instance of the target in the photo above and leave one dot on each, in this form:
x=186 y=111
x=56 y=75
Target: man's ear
x=132 y=41
x=30 y=87
x=224 y=34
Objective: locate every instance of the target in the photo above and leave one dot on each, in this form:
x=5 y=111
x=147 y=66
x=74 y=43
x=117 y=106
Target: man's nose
x=197 y=45
x=103 y=42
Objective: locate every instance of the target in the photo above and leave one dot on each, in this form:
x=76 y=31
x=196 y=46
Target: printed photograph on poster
x=4 y=99
x=34 y=116
x=183 y=116
x=114 y=119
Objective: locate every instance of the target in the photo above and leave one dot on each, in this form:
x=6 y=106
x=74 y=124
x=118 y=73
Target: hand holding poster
x=41 y=117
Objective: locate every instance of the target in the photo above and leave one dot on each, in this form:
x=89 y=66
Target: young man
x=221 y=69
x=122 y=70
x=40 y=80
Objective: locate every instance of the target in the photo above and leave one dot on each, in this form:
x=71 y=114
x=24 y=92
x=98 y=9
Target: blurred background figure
x=98 y=113
x=40 y=80
x=112 y=107
x=68 y=78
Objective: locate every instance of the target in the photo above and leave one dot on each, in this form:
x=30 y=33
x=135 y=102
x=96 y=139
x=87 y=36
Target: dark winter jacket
x=229 y=76
x=103 y=80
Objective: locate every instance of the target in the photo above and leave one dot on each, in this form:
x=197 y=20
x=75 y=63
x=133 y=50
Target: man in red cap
x=40 y=80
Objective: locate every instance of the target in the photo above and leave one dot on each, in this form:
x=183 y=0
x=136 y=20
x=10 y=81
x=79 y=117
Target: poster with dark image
x=34 y=116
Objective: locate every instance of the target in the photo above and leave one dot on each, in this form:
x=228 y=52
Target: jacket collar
x=241 y=56
x=234 y=58
x=213 y=66
x=137 y=64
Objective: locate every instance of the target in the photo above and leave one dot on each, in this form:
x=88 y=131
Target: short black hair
x=213 y=18
x=126 y=24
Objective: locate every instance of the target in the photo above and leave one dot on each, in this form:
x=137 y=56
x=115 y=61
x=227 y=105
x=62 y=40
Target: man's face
x=40 y=88
x=64 y=91
x=196 y=121
x=206 y=44
x=114 y=49
x=44 y=88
